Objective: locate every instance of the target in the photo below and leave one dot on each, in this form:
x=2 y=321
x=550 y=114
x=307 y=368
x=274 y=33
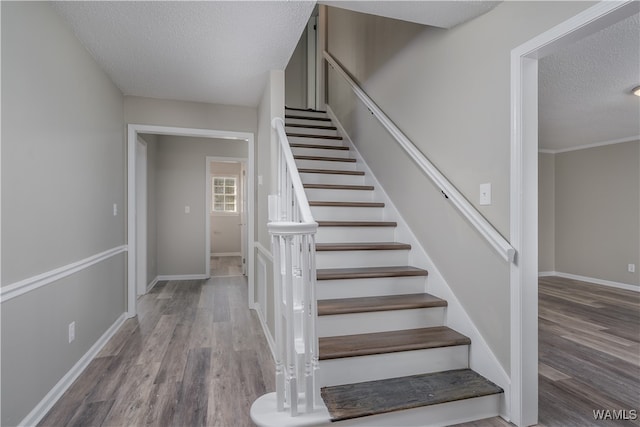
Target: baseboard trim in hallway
x=610 y=283
x=38 y=413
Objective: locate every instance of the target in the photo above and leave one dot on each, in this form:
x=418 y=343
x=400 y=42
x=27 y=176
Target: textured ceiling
x=584 y=89
x=443 y=14
x=214 y=52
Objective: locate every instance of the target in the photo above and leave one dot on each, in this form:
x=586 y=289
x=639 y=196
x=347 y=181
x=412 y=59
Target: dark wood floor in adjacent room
x=195 y=356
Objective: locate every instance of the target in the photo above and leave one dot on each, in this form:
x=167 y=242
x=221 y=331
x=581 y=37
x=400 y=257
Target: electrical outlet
x=485 y=194
x=72 y=332
x=631 y=268
x=187 y=209
x=115 y=209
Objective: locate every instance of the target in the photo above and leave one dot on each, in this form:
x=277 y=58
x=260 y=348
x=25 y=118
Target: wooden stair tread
x=389 y=342
x=297 y=125
x=378 y=303
x=338 y=187
x=357 y=224
x=308 y=110
x=368 y=272
x=319 y=146
x=307 y=135
x=394 y=394
x=347 y=204
x=362 y=246
x=330 y=171
x=299 y=117
x=325 y=159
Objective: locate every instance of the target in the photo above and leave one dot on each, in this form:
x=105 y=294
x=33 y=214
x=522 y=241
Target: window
x=225 y=192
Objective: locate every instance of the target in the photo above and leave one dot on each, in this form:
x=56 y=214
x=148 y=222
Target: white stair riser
x=340 y=213
x=444 y=414
x=311 y=131
x=305 y=113
x=325 y=178
x=379 y=321
x=340 y=195
x=348 y=370
x=323 y=152
x=321 y=164
x=309 y=121
x=352 y=288
x=311 y=140
x=355 y=259
x=355 y=234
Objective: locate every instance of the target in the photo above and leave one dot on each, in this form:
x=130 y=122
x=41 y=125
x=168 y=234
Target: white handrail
x=483 y=226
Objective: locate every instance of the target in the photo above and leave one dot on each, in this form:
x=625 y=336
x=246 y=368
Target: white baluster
x=277 y=274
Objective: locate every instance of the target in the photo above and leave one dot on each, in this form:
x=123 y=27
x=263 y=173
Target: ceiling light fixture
x=636 y=91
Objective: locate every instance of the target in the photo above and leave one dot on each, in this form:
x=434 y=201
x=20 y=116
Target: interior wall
x=226 y=227
x=449 y=92
x=181 y=182
x=295 y=75
x=152 y=230
x=63 y=169
x=597 y=216
x=546 y=213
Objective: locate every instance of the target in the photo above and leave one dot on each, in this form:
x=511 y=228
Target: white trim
x=586 y=146
x=265 y=329
x=151 y=284
x=468 y=211
x=592 y=280
x=481 y=357
x=132 y=131
x=182 y=277
x=226 y=254
x=524 y=194
x=41 y=409
x=263 y=251
x=27 y=285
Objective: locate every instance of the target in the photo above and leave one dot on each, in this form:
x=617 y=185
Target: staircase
x=384 y=351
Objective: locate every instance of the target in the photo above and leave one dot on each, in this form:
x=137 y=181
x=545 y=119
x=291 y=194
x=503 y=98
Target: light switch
x=115 y=209
x=485 y=194
x=187 y=209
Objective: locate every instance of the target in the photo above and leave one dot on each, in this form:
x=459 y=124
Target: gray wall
x=597 y=216
x=546 y=212
x=181 y=181
x=225 y=228
x=448 y=90
x=295 y=75
x=152 y=245
x=63 y=157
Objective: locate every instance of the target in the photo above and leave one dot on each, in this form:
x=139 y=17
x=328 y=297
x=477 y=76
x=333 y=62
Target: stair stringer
x=481 y=357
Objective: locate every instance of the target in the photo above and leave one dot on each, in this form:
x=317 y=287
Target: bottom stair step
x=395 y=394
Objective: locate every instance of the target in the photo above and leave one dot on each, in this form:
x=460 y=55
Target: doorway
x=524 y=195
x=226 y=203
x=133 y=193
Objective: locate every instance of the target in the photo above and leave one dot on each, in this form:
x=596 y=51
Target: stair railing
x=495 y=239
x=292 y=229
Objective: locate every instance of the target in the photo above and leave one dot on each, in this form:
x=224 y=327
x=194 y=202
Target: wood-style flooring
x=223 y=266
x=194 y=356
x=589 y=354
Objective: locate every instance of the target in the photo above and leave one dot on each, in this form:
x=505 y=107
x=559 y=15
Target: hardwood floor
x=197 y=356
x=223 y=266
x=194 y=356
x=589 y=354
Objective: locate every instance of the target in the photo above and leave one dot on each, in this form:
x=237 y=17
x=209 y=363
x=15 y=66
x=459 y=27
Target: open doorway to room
x=227 y=232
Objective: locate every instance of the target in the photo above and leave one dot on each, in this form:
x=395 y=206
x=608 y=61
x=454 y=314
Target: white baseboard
x=41 y=409
x=152 y=283
x=183 y=277
x=612 y=284
x=226 y=254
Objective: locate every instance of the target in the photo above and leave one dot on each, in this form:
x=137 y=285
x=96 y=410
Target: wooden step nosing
x=297 y=117
x=367 y=273
x=368 y=246
x=306 y=110
x=307 y=126
x=319 y=146
x=307 y=135
x=378 y=304
x=357 y=224
x=325 y=159
x=338 y=187
x=331 y=171
x=319 y=203
x=372 y=351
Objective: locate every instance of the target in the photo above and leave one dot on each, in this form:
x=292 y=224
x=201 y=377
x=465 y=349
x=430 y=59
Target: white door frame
x=132 y=136
x=242 y=211
x=141 y=216
x=524 y=195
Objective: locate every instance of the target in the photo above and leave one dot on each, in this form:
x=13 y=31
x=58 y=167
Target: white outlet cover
x=187 y=209
x=485 y=194
x=631 y=268
x=72 y=331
